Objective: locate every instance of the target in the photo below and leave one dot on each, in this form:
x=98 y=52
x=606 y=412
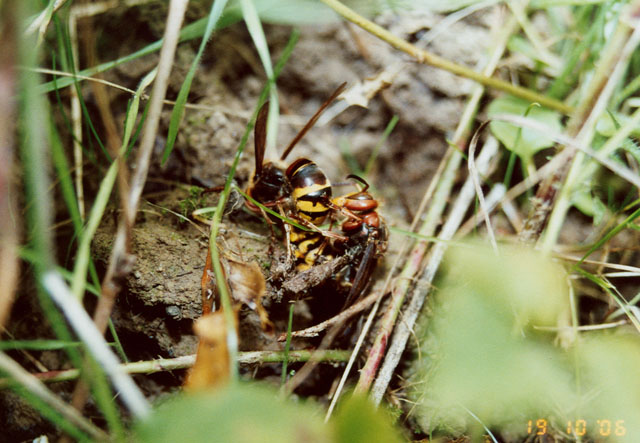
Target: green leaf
x=610 y=122
x=250 y=15
x=524 y=142
x=357 y=420
x=484 y=340
x=590 y=205
x=178 y=110
x=311 y=12
x=239 y=413
x=189 y=32
x=250 y=412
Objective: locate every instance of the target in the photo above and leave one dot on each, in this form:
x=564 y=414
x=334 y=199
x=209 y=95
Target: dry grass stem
x=417 y=298
x=80 y=321
x=120 y=260
x=452 y=159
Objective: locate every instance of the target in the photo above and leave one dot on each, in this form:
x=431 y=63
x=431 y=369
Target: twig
x=37 y=388
x=187 y=361
x=356 y=308
x=426 y=198
x=433 y=217
x=95 y=343
x=405 y=279
x=310 y=365
x=604 y=264
x=287 y=345
x=121 y=262
x=423 y=56
x=519 y=188
x=404 y=329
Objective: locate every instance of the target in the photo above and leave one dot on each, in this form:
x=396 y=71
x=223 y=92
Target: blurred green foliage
x=523 y=141
x=253 y=413
x=480 y=353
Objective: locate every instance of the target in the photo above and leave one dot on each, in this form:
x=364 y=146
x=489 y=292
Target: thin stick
x=405 y=328
x=186 y=361
x=287 y=345
x=584 y=327
x=310 y=365
x=356 y=308
x=426 y=198
x=121 y=261
x=493 y=199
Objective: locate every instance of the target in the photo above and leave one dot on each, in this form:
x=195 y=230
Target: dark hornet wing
x=365 y=270
x=312 y=120
x=260 y=136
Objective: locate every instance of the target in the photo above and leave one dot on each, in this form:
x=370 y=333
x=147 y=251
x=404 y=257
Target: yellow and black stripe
x=308 y=248
x=311 y=190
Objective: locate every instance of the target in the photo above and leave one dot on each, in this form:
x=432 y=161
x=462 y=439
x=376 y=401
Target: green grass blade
x=102 y=198
x=232 y=340
x=417 y=236
x=345 y=151
x=250 y=15
x=189 y=32
x=271 y=211
x=95 y=217
x=34 y=143
x=571 y=72
x=609 y=289
x=63 y=173
x=625 y=223
x=287 y=345
x=46 y=14
x=178 y=111
x=374 y=154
